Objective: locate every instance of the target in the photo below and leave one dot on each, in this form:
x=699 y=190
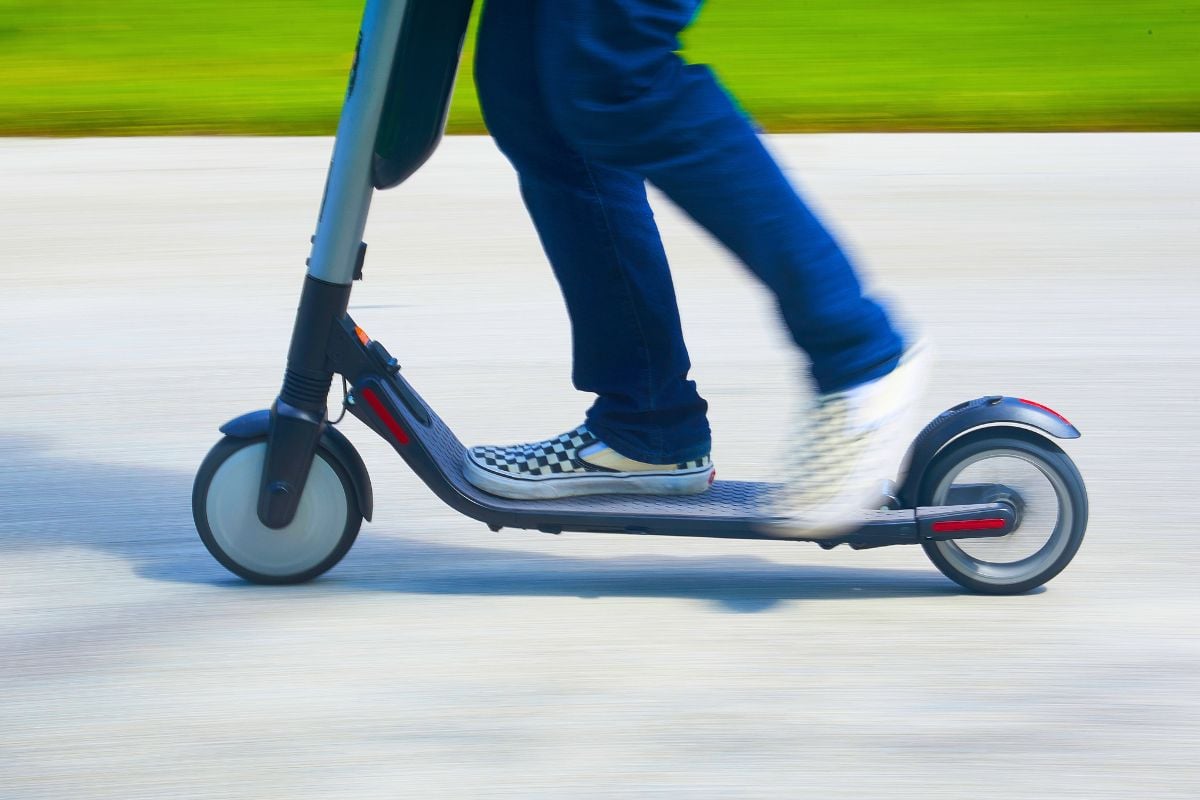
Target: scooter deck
x=729 y=509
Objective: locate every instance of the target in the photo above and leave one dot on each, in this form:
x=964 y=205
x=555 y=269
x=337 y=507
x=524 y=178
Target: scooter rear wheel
x=225 y=503
x=1051 y=501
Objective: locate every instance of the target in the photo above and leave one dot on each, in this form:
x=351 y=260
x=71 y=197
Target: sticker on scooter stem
x=354 y=66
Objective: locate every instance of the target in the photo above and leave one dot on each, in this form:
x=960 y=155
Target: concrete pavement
x=148 y=292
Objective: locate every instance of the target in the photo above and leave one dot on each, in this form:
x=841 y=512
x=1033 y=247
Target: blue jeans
x=589 y=100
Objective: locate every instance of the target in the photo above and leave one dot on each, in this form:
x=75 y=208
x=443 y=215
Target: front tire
x=1052 y=501
x=225 y=508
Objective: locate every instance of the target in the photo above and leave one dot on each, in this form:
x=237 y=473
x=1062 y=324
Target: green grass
x=88 y=67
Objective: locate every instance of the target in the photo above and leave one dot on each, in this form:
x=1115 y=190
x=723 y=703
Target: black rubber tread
x=1021 y=440
x=221 y=451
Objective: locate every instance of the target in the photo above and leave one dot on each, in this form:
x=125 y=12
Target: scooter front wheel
x=1046 y=490
x=225 y=508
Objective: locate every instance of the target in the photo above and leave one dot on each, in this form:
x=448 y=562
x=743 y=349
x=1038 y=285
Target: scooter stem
x=349 y=187
x=298 y=414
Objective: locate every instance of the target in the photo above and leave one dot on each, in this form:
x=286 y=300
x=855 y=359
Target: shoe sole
x=576 y=485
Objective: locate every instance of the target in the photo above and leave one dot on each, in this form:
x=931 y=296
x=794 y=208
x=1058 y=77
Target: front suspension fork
x=298 y=415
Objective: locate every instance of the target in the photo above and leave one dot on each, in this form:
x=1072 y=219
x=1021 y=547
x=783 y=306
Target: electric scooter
x=993 y=500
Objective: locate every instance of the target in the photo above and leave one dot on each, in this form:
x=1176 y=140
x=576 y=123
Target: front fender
x=258 y=423
x=977 y=413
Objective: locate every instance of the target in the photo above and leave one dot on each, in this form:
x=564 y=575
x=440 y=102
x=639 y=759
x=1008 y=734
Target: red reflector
x=948 y=525
x=381 y=411
x=1044 y=408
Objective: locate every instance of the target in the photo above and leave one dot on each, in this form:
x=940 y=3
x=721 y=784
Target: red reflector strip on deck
x=951 y=525
x=381 y=411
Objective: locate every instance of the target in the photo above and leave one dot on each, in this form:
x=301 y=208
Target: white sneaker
x=850 y=442
x=577 y=463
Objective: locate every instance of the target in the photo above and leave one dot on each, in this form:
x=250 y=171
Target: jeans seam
x=645 y=350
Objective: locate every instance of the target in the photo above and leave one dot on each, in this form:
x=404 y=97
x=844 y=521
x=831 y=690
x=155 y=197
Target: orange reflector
x=362 y=336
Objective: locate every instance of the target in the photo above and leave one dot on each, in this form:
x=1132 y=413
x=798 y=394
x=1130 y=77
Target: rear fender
x=994 y=410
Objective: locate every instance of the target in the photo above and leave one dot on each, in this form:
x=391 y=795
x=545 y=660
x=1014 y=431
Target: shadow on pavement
x=144 y=517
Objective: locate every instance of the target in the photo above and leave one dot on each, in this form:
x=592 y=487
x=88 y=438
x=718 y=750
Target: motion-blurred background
x=147 y=290
x=236 y=67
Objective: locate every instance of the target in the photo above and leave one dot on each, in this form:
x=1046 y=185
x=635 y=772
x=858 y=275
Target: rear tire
x=1053 y=516
x=225 y=508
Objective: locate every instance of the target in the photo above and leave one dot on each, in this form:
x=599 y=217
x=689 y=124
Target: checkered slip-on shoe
x=849 y=443
x=554 y=468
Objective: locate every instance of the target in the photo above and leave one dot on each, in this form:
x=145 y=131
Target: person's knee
x=516 y=117
x=498 y=102
x=610 y=113
x=598 y=123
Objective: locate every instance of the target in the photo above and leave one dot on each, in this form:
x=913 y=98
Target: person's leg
x=621 y=95
x=599 y=234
